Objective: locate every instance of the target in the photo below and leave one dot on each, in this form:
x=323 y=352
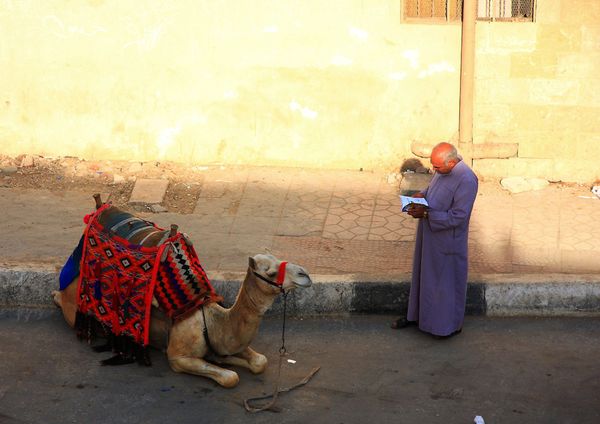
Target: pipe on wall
x=467 y=77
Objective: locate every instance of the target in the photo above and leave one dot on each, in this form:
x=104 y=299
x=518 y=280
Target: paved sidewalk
x=345 y=225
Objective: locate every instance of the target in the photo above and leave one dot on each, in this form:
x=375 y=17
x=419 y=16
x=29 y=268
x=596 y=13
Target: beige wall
x=538 y=85
x=301 y=83
x=310 y=83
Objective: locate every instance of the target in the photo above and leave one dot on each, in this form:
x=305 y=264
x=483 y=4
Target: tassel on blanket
x=126 y=349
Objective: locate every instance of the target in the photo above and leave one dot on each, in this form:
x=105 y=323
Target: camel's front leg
x=199 y=366
x=248 y=358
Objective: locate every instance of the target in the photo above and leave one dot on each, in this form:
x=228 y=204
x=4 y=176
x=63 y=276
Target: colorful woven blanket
x=118 y=280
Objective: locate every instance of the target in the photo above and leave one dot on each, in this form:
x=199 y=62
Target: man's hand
x=416 y=211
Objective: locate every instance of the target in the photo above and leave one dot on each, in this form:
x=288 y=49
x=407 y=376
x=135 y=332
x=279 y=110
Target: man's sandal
x=401 y=323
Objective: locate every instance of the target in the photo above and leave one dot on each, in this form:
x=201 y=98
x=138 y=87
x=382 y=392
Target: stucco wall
x=267 y=82
x=538 y=85
x=300 y=83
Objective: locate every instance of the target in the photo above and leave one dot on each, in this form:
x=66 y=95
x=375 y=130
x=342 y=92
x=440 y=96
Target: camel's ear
x=251 y=263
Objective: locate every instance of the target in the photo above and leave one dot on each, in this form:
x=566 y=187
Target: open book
x=408 y=202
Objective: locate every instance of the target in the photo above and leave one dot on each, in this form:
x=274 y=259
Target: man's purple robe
x=439 y=280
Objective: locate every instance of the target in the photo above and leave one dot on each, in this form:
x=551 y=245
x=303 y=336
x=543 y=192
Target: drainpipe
x=467 y=75
x=467 y=149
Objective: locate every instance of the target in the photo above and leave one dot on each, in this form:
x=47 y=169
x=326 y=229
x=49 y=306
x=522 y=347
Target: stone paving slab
x=149 y=191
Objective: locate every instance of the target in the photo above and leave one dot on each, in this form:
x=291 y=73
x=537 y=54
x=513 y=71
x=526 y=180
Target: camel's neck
x=250 y=305
x=251 y=300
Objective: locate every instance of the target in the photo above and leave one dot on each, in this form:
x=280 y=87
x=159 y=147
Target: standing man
x=439 y=280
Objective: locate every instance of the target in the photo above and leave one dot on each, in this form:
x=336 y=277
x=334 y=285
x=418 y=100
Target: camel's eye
x=268 y=271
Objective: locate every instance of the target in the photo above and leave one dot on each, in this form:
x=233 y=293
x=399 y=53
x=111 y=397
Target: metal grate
x=505 y=10
x=451 y=10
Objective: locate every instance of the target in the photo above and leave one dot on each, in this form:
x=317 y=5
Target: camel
x=230 y=330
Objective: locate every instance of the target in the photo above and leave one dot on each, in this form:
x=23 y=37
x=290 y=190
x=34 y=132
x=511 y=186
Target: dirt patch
x=181 y=197
x=115 y=178
x=57 y=182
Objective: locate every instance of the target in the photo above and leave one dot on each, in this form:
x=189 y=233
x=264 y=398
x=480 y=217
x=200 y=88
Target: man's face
x=439 y=166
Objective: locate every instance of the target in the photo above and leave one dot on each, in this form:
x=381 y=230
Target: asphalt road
x=518 y=370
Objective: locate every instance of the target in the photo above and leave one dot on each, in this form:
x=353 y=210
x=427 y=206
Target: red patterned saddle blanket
x=118 y=280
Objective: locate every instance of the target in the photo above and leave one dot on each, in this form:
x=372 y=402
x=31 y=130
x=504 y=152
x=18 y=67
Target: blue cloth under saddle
x=71 y=268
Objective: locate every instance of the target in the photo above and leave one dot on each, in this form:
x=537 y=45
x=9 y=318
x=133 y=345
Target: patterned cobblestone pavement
x=332 y=222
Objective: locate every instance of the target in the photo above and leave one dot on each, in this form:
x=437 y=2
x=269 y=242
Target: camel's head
x=278 y=273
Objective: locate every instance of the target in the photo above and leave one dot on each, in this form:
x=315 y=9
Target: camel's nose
x=303 y=279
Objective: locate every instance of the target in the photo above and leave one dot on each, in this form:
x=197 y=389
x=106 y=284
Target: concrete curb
x=491 y=294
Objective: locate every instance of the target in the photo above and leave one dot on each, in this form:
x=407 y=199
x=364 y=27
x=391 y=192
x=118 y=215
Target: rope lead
x=282 y=352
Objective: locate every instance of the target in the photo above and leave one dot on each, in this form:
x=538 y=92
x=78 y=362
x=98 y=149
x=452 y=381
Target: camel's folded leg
x=57 y=298
x=65 y=300
x=198 y=366
x=254 y=361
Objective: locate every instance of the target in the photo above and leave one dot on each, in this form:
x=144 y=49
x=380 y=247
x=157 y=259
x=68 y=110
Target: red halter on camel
x=280 y=277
